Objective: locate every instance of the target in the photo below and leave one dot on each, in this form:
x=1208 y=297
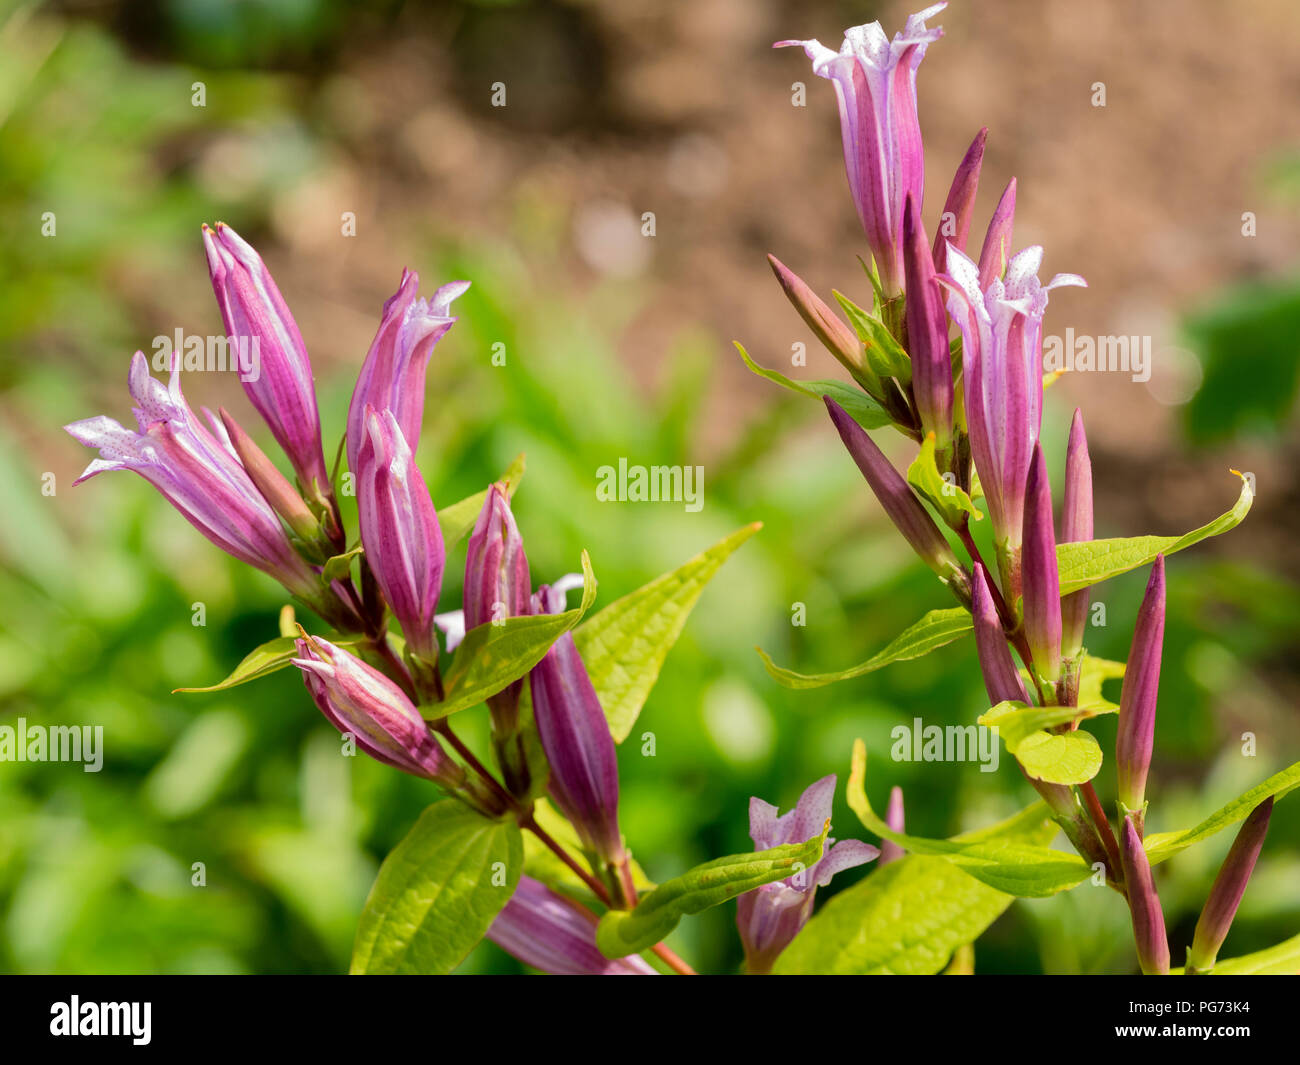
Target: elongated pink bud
x=399 y=531
x=257 y=319
x=1144 y=903
x=900 y=502
x=1135 y=737
x=1229 y=886
x=894 y=818
x=1001 y=678
x=1042 y=585
x=1076 y=527
x=273 y=485
x=551 y=933
x=826 y=325
x=996 y=250
x=927 y=332
x=954 y=223
x=575 y=736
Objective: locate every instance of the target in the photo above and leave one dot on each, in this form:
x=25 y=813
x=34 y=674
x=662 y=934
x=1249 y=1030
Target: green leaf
x=1092 y=561
x=496 y=653
x=937 y=628
x=1056 y=757
x=268 y=658
x=952 y=503
x=883 y=353
x=1012 y=856
x=623 y=932
x=860 y=406
x=1162 y=845
x=438 y=892
x=337 y=567
x=1094 y=672
x=1280 y=960
x=906 y=919
x=624 y=646
x=456 y=519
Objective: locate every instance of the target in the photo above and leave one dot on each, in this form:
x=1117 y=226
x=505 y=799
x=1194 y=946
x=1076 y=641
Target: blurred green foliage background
x=99 y=584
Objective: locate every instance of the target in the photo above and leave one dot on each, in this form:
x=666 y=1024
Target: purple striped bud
x=360 y=701
x=875 y=85
x=1001 y=678
x=551 y=933
x=826 y=325
x=954 y=223
x=769 y=917
x=889 y=850
x=1144 y=904
x=575 y=736
x=900 y=502
x=1135 y=737
x=1229 y=886
x=1002 y=379
x=1042 y=606
x=197 y=471
x=995 y=252
x=927 y=332
x=1076 y=527
x=399 y=531
x=392 y=377
x=283 y=390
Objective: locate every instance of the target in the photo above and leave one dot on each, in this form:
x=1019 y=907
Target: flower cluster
x=951 y=355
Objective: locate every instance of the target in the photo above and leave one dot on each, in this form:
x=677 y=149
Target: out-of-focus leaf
x=861 y=407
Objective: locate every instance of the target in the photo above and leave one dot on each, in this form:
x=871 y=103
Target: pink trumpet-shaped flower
x=283 y=391
x=392 y=377
x=1135 y=735
x=360 y=701
x=197 y=471
x=954 y=223
x=875 y=85
x=576 y=739
x=769 y=917
x=1002 y=374
x=399 y=530
x=549 y=932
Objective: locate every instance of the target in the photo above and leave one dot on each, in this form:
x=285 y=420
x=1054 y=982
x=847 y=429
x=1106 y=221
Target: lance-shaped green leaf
x=438 y=891
x=864 y=410
x=623 y=932
x=937 y=628
x=1011 y=856
x=624 y=646
x=496 y=653
x=1162 y=845
x=268 y=658
x=458 y=518
x=1280 y=960
x=952 y=503
x=1056 y=757
x=1093 y=561
x=906 y=918
x=884 y=354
